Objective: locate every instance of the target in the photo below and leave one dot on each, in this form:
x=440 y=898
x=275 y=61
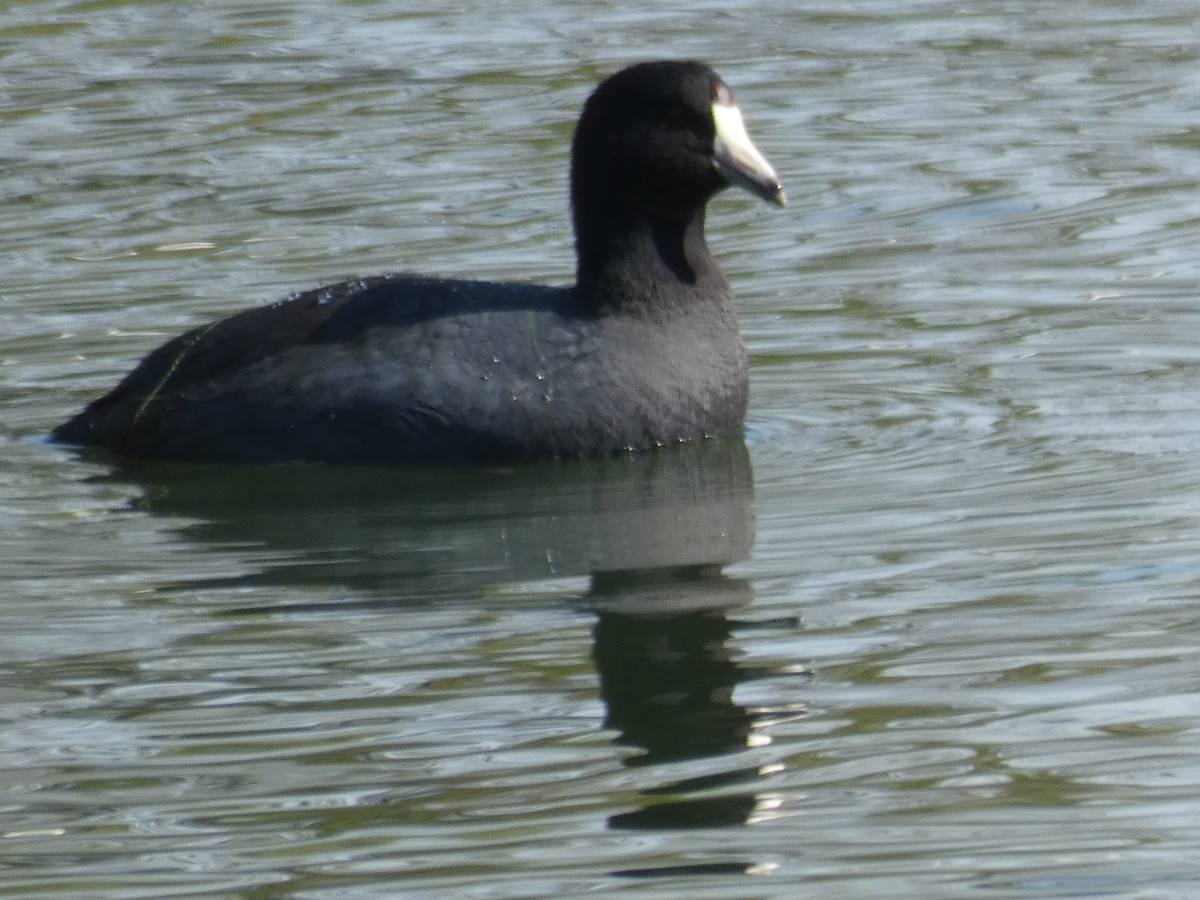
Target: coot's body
x=642 y=351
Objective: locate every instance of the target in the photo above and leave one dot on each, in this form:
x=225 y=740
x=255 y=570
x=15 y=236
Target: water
x=933 y=635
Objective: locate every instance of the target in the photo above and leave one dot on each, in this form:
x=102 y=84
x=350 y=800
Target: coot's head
x=660 y=139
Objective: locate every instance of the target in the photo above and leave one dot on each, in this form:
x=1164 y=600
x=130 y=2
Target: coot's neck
x=643 y=262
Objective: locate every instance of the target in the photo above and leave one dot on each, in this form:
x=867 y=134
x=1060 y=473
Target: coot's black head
x=659 y=139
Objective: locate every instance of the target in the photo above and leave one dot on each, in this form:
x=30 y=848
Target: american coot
x=643 y=351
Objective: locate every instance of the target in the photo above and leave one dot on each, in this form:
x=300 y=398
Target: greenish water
x=933 y=635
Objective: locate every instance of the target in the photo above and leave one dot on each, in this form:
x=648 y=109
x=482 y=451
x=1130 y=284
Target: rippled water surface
x=933 y=634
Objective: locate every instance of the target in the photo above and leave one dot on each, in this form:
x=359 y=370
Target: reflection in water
x=698 y=869
x=404 y=535
x=653 y=532
x=667 y=676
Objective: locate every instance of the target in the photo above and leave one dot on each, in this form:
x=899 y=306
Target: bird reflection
x=653 y=533
x=411 y=533
x=668 y=672
x=667 y=678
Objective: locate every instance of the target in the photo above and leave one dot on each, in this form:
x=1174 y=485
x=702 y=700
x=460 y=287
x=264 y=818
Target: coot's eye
x=676 y=117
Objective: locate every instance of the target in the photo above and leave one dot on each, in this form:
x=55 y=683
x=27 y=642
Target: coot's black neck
x=644 y=262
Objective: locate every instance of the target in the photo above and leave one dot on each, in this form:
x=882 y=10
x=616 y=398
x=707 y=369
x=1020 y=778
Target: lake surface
x=934 y=632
